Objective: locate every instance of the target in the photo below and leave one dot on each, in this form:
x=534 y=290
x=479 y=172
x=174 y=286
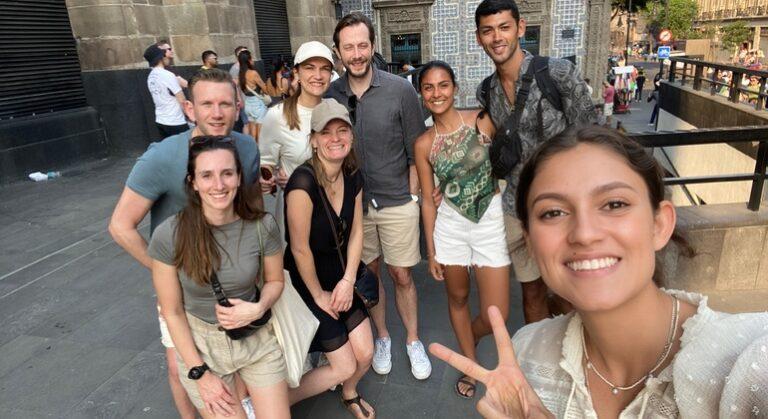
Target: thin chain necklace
x=667 y=348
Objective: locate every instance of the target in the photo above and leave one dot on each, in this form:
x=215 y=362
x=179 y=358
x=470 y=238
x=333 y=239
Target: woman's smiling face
x=592 y=228
x=216 y=180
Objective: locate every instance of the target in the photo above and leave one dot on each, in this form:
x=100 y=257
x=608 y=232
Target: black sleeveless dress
x=332 y=333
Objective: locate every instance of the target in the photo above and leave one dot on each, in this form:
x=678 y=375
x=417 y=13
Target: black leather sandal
x=355 y=400
x=471 y=388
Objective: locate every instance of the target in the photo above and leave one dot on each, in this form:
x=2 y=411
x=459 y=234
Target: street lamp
x=629 y=27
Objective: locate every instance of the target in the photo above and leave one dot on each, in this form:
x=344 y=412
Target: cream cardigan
x=721 y=369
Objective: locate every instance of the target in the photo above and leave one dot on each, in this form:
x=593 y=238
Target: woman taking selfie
x=284 y=143
x=630 y=349
x=324 y=213
x=206 y=269
x=467 y=230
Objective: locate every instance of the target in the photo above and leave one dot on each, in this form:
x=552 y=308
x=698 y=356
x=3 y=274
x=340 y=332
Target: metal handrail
x=729 y=135
x=734 y=86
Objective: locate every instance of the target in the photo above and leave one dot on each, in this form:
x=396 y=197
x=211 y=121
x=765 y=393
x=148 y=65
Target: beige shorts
x=393 y=232
x=524 y=266
x=165 y=335
x=258 y=359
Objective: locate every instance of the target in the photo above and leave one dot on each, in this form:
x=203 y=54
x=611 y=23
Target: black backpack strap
x=545 y=83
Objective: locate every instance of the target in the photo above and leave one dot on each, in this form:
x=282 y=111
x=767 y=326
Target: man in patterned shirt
x=499 y=28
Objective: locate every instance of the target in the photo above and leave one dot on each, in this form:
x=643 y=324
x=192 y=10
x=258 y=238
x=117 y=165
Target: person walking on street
x=640 y=80
x=166 y=93
x=155 y=185
x=252 y=90
x=609 y=99
x=463 y=232
x=556 y=98
x=284 y=143
x=234 y=72
x=387 y=119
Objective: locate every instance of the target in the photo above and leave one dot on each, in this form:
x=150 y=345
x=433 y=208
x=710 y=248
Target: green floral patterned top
x=461 y=164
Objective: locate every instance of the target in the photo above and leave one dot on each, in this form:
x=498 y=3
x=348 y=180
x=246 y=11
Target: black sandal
x=355 y=400
x=471 y=387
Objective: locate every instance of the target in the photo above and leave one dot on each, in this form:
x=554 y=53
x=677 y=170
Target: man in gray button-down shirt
x=387 y=119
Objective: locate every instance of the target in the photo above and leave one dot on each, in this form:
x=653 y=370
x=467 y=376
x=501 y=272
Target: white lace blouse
x=721 y=369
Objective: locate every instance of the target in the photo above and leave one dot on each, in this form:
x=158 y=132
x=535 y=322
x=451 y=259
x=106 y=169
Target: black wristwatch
x=196 y=372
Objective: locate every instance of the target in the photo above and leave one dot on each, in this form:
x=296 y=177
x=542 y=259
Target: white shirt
x=163 y=86
x=283 y=147
x=721 y=369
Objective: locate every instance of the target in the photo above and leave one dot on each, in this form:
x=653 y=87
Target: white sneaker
x=248 y=407
x=421 y=368
x=382 y=356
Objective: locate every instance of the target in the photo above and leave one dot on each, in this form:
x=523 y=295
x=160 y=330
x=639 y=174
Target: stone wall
x=113 y=34
x=731 y=265
x=311 y=20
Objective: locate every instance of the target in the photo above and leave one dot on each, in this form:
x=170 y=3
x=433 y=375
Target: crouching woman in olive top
x=220 y=235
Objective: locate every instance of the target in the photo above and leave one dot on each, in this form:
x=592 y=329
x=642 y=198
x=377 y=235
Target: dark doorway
x=406 y=48
x=531 y=41
x=274 y=34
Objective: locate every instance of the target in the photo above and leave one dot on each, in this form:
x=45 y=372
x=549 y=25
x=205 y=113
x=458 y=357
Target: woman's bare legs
x=271 y=402
x=457 y=287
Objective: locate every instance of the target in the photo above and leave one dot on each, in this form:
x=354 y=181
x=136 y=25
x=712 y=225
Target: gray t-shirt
x=159 y=173
x=239 y=272
x=388 y=119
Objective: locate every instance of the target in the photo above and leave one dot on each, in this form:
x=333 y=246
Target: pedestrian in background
x=166 y=92
x=210 y=60
x=387 y=119
x=252 y=89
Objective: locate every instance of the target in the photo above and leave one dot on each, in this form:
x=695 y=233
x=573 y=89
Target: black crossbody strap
x=321 y=194
x=521 y=97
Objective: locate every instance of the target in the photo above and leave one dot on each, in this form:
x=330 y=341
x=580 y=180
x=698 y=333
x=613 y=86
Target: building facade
x=421 y=30
x=754 y=13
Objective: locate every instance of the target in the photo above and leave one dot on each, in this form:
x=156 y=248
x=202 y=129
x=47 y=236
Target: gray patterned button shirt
x=577 y=109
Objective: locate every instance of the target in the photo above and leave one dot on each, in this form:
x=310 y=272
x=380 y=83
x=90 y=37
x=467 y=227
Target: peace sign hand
x=508 y=394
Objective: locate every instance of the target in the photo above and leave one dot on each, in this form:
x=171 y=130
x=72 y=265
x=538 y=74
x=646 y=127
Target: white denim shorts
x=459 y=241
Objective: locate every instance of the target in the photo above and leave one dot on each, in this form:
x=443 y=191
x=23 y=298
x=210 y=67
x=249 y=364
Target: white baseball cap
x=312 y=49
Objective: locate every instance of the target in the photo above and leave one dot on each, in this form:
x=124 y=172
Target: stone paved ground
x=79 y=336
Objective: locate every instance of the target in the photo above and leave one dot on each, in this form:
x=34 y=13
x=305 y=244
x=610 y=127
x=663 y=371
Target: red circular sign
x=665 y=35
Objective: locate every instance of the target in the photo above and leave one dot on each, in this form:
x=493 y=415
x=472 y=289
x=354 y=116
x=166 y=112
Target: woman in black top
x=330 y=180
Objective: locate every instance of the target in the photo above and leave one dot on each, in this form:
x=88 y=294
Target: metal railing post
x=698 y=71
x=756 y=195
x=672 y=69
x=733 y=95
x=684 y=75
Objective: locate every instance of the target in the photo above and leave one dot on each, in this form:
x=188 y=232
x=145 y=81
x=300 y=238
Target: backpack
x=506 y=150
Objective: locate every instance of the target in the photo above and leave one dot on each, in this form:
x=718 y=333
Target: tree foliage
x=621 y=6
x=682 y=14
x=733 y=34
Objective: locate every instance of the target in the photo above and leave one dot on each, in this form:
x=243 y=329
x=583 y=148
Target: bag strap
x=545 y=82
x=261 y=253
x=513 y=120
x=321 y=195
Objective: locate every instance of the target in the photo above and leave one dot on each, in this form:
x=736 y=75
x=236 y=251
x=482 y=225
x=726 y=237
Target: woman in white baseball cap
x=284 y=137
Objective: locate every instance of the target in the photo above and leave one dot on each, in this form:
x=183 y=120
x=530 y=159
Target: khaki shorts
x=393 y=232
x=258 y=359
x=525 y=267
x=165 y=335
